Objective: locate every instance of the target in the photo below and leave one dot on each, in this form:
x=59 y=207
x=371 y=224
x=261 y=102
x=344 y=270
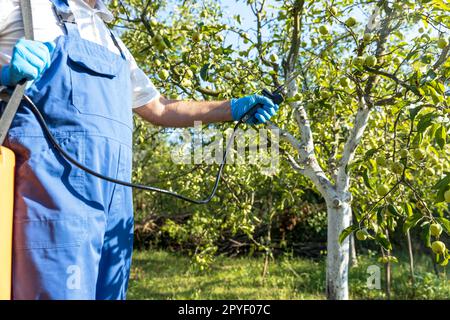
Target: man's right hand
x=29 y=61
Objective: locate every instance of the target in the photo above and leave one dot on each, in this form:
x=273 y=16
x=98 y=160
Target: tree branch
x=442 y=58
x=311 y=168
x=295 y=39
x=361 y=120
x=363 y=113
x=383 y=36
x=394 y=78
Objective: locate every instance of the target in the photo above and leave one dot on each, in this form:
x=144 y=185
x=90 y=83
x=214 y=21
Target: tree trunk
x=388 y=280
x=353 y=256
x=411 y=257
x=339 y=214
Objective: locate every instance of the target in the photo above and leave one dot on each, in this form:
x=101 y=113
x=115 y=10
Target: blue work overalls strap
x=73 y=232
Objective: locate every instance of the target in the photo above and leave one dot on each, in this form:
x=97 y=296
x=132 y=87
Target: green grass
x=165 y=275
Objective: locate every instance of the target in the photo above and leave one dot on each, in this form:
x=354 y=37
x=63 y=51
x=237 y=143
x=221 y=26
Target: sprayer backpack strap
x=19 y=91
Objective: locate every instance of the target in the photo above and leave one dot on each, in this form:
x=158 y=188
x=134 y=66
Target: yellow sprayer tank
x=7 y=163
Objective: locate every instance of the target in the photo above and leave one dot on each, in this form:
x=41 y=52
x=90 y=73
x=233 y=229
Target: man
x=73 y=232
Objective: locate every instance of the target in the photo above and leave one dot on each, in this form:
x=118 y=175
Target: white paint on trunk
x=335 y=193
x=337 y=254
x=360 y=124
x=335 y=186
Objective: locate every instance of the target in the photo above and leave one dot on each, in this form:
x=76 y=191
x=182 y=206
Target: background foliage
x=193 y=50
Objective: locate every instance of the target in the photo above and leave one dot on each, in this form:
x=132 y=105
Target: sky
x=231 y=8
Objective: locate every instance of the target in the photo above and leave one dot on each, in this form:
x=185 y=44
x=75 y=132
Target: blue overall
x=73 y=232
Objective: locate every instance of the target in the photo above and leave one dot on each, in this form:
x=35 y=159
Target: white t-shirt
x=91 y=25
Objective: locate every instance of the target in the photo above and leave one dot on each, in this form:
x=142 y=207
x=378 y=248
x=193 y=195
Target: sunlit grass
x=165 y=275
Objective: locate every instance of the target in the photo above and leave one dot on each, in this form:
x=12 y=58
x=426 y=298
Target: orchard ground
x=168 y=275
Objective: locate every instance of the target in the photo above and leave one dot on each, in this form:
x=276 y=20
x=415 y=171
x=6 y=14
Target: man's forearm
x=180 y=113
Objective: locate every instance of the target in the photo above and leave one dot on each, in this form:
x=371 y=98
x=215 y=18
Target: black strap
x=116 y=43
x=19 y=90
x=63 y=17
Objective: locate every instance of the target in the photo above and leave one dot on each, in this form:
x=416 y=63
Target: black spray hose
x=276 y=97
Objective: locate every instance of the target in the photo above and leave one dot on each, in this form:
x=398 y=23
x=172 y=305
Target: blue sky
x=232 y=8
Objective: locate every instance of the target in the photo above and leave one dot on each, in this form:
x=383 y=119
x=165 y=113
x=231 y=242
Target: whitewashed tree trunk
x=339 y=215
x=336 y=195
x=333 y=185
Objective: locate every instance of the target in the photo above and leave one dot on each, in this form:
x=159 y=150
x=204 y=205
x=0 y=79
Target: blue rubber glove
x=29 y=61
x=240 y=106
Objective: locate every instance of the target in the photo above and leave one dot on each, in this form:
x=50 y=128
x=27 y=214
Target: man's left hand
x=240 y=106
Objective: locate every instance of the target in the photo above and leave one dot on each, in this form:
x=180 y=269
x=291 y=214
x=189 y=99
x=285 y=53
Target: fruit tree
x=366 y=117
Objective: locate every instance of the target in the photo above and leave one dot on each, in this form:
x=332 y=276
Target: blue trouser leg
x=55 y=255
x=73 y=231
x=115 y=263
x=117 y=249
x=76 y=243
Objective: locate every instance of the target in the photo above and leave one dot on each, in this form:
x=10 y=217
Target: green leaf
x=393 y=210
x=425 y=121
x=411 y=222
x=227 y=50
x=424 y=223
x=393 y=259
x=408 y=210
x=346 y=232
x=366 y=178
x=432 y=130
x=167 y=42
x=380 y=217
x=441 y=4
x=426 y=235
x=440 y=197
x=435 y=96
x=441 y=136
x=431 y=75
x=445 y=223
x=425 y=22
x=442 y=183
x=418 y=139
x=204 y=72
x=383 y=241
x=370 y=153
x=414 y=111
